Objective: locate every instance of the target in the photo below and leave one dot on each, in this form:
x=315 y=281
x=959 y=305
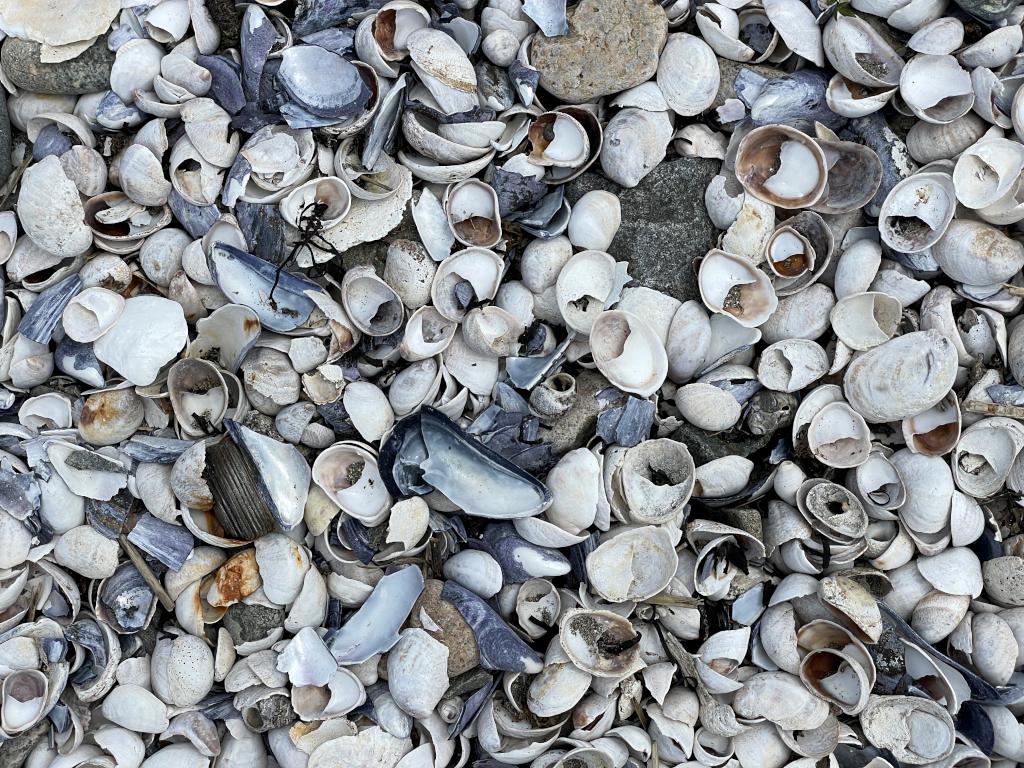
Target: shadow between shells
x=339 y=430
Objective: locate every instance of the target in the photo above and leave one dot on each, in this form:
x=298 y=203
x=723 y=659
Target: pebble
x=455 y=634
x=612 y=45
x=247 y=623
x=665 y=225
x=87 y=73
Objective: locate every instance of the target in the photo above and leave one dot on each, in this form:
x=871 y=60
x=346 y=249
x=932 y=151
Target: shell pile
x=335 y=432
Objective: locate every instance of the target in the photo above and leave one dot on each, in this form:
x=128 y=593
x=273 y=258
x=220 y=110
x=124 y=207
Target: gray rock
x=665 y=225
x=13 y=752
x=86 y=73
x=612 y=45
x=246 y=623
x=988 y=10
x=5 y=140
x=705 y=446
x=577 y=425
x=228 y=20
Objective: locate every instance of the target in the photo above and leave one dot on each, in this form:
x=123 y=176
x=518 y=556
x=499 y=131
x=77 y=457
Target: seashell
x=249 y=281
x=839 y=437
x=418 y=672
x=472 y=209
x=734 y=286
x=984 y=455
x=135 y=709
x=136 y=63
x=961 y=254
x=889 y=368
x=594 y=221
x=917 y=212
x=782 y=699
x=142 y=177
x=198 y=396
x=688 y=96
x=782 y=167
x=149 y=332
x=628 y=353
x=326 y=200
x=865 y=320
x=791 y=365
x=707 y=407
x=928 y=500
x=109 y=417
x=860 y=54
x=348 y=474
x=59 y=226
x=230 y=332
x=444 y=69
x=918 y=731
x=935 y=431
x=608 y=565
x=635 y=141
x=558 y=140
x=580 y=633
x=473 y=273
x=936 y=89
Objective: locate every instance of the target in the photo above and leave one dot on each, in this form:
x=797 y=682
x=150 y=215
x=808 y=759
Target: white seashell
x=329 y=196
x=369 y=409
x=994 y=49
x=859 y=53
x=902 y=377
x=803 y=315
x=478 y=267
x=594 y=221
x=938 y=614
x=733 y=285
x=136 y=64
x=976 y=253
x=917 y=730
x=936 y=88
x=51 y=211
x=612 y=567
x=410 y=271
x=444 y=69
x=791 y=365
x=781 y=166
x=557 y=139
x=136 y=709
x=283 y=564
x=182 y=670
x=635 y=141
x=707 y=407
x=417 y=672
x=348 y=474
x=149 y=333
x=373 y=306
x=956 y=571
x=628 y=352
x=929 y=489
x=935 y=431
x=587 y=284
x=476 y=570
x=688 y=74
x=472 y=210
x=865 y=320
x=87 y=552
x=689 y=338
x=984 y=456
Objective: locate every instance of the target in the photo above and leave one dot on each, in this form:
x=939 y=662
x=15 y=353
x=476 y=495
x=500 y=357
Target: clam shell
x=902 y=377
